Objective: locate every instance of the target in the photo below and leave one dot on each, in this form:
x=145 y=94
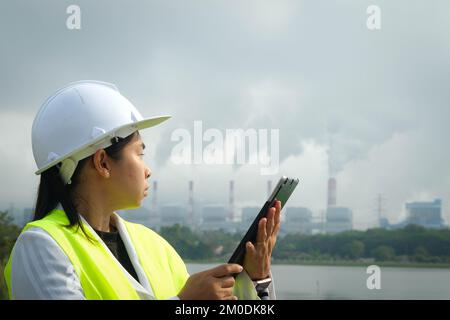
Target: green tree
x=354 y=249
x=8 y=235
x=421 y=254
x=384 y=253
x=186 y=243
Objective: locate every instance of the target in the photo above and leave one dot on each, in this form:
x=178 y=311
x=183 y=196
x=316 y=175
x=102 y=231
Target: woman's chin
x=134 y=205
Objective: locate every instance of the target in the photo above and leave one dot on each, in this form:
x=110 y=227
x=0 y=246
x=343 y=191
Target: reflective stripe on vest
x=99 y=273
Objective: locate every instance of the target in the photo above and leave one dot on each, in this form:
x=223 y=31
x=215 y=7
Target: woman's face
x=129 y=176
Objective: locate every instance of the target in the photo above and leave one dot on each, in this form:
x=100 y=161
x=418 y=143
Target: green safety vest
x=99 y=273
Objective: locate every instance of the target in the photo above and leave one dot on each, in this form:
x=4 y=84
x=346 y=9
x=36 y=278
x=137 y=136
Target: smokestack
x=331 y=192
x=154 y=199
x=191 y=203
x=231 y=202
x=269 y=188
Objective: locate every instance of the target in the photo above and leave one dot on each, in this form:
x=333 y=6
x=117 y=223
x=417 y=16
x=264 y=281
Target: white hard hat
x=79 y=119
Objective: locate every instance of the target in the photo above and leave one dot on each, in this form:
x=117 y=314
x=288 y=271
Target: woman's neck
x=99 y=222
x=93 y=202
x=99 y=218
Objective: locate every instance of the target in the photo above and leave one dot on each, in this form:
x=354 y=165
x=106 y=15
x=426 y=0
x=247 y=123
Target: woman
x=88 y=150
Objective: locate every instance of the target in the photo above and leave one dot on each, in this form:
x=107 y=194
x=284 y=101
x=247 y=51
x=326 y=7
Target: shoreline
x=341 y=263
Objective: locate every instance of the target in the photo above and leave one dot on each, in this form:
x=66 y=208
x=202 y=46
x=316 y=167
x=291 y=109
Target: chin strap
x=66 y=169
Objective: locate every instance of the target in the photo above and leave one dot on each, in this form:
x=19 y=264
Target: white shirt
x=41 y=270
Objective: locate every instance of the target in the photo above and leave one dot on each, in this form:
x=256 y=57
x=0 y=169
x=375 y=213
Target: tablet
x=282 y=192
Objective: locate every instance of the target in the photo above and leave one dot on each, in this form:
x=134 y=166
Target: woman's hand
x=212 y=284
x=257 y=257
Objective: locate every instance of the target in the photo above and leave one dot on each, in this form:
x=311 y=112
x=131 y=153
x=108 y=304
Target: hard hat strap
x=69 y=165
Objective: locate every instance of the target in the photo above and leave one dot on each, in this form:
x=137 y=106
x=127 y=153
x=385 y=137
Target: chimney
x=231 y=201
x=154 y=199
x=331 y=192
x=191 y=203
x=269 y=188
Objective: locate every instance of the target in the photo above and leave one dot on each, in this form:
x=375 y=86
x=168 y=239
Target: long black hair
x=52 y=190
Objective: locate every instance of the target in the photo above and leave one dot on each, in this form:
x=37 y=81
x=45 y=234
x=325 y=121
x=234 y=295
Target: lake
x=344 y=282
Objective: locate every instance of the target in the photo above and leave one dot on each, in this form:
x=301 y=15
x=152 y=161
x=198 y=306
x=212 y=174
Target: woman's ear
x=101 y=163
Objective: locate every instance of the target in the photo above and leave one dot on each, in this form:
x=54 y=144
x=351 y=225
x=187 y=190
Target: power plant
x=338 y=219
x=231 y=202
x=191 y=218
x=232 y=218
x=227 y=217
x=331 y=198
x=296 y=219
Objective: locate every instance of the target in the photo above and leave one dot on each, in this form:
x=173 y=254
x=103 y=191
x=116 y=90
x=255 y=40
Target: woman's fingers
x=278 y=212
x=230 y=297
x=276 y=230
x=258 y=254
x=270 y=222
x=227 y=282
x=251 y=250
x=262 y=232
x=277 y=218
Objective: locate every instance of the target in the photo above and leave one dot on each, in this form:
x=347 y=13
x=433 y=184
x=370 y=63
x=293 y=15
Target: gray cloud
x=309 y=68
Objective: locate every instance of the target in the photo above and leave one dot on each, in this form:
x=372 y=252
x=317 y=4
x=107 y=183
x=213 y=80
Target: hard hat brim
x=121 y=132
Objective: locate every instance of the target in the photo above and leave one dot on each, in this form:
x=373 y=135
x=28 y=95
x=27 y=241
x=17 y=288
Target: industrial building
x=338 y=219
x=426 y=214
x=298 y=220
x=248 y=214
x=214 y=217
x=171 y=215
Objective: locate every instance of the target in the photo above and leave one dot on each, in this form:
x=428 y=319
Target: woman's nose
x=148 y=173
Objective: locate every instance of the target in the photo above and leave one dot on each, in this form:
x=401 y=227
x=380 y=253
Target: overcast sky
x=311 y=69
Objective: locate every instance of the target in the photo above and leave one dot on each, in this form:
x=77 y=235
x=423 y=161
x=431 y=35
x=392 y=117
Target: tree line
x=411 y=244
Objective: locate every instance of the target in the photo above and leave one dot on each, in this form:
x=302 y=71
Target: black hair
x=52 y=190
